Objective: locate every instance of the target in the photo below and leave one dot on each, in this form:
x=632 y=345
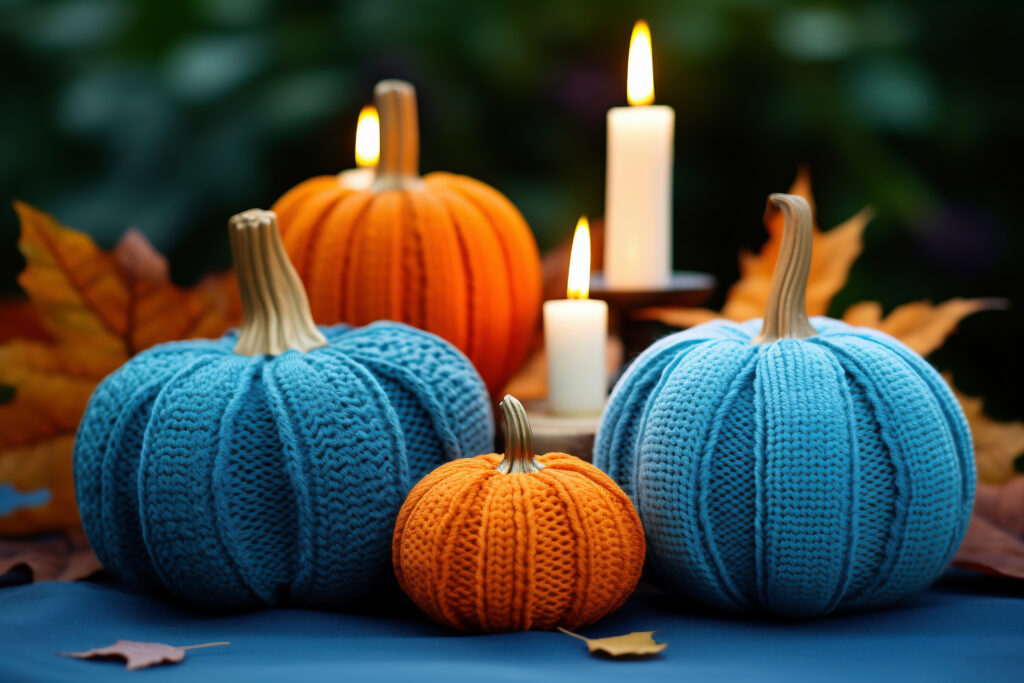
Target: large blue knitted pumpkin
x=267 y=467
x=810 y=467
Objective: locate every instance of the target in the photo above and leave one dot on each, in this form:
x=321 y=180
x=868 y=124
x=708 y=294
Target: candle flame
x=368 y=137
x=640 y=72
x=579 y=262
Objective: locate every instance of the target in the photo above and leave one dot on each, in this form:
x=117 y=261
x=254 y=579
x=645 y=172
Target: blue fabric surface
x=966 y=628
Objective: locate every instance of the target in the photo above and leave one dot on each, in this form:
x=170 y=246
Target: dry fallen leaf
x=98 y=308
x=920 y=325
x=139 y=655
x=832 y=257
x=636 y=644
x=994 y=542
x=997 y=445
x=67 y=558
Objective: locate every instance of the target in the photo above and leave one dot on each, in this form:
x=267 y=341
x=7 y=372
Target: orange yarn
x=479 y=550
x=445 y=253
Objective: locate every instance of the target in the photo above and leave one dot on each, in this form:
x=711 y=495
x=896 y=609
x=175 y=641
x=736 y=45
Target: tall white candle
x=367 y=151
x=575 y=338
x=638 y=192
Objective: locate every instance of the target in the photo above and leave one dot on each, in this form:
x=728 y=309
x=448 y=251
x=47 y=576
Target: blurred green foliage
x=172 y=115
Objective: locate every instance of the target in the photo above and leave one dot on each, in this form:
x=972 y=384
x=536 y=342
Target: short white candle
x=367 y=151
x=638 y=192
x=575 y=338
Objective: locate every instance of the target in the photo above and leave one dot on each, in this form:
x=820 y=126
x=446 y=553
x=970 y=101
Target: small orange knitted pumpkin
x=445 y=253
x=511 y=543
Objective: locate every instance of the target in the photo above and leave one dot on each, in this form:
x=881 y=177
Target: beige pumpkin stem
x=399 y=165
x=519 y=456
x=785 y=316
x=275 y=311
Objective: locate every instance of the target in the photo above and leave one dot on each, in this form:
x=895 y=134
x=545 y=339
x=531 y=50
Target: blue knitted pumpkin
x=267 y=467
x=812 y=467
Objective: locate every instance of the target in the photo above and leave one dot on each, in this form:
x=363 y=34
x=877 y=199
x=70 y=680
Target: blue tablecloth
x=966 y=628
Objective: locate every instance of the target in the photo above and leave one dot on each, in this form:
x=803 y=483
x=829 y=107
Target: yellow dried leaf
x=996 y=444
x=920 y=325
x=832 y=257
x=97 y=309
x=634 y=644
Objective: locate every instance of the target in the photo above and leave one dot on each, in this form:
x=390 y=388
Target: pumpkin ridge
x=411 y=260
x=489 y=490
x=128 y=519
x=145 y=469
x=502 y=215
x=468 y=293
x=343 y=290
x=301 y=234
x=182 y=468
x=735 y=385
x=224 y=533
x=448 y=525
x=378 y=490
x=514 y=321
x=675 y=431
x=914 y=506
x=583 y=579
x=955 y=420
x=802 y=514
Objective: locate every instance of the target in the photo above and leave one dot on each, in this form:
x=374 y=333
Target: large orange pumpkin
x=445 y=253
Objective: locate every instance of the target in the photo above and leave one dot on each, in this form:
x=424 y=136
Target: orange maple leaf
x=98 y=309
x=921 y=325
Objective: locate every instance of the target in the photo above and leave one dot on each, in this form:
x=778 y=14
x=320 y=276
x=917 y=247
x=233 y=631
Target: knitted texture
x=455 y=258
x=796 y=477
x=238 y=481
x=478 y=550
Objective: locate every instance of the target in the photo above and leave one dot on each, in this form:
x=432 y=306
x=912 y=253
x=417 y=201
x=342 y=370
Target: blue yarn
x=236 y=481
x=794 y=478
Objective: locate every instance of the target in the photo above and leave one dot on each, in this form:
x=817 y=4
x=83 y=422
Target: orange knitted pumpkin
x=444 y=253
x=511 y=543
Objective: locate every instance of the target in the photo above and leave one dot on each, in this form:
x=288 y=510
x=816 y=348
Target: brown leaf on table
x=636 y=644
x=921 y=325
x=97 y=308
x=997 y=445
x=994 y=542
x=832 y=257
x=68 y=558
x=138 y=655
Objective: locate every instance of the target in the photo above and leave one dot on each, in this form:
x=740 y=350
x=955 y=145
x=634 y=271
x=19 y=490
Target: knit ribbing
x=837 y=473
x=235 y=481
x=484 y=551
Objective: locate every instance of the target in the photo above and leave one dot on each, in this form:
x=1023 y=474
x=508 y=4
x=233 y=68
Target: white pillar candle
x=638 y=192
x=367 y=151
x=575 y=338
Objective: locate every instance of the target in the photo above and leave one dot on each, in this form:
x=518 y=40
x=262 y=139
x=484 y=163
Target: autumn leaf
x=920 y=325
x=138 y=655
x=636 y=644
x=92 y=311
x=994 y=542
x=998 y=446
x=833 y=254
x=67 y=558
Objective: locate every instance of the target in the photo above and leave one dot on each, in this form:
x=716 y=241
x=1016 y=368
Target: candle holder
x=685 y=288
x=573 y=434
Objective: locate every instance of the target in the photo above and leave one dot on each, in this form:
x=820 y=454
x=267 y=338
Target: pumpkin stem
x=519 y=456
x=785 y=316
x=275 y=311
x=399 y=165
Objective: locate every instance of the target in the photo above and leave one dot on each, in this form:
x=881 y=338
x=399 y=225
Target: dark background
x=172 y=115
